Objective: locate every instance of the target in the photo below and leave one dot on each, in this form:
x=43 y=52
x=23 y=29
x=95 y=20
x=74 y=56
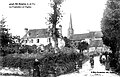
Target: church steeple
x=70 y=29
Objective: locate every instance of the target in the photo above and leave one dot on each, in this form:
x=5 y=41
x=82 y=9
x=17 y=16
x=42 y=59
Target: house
x=38 y=37
x=35 y=37
x=93 y=38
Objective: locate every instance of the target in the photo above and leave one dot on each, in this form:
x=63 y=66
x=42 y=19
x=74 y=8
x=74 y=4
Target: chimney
x=26 y=30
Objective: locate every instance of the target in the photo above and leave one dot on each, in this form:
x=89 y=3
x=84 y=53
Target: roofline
x=37 y=29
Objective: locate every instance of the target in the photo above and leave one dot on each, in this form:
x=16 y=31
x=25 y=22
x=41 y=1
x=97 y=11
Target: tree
x=4 y=35
x=7 y=41
x=67 y=42
x=82 y=46
x=54 y=19
x=110 y=26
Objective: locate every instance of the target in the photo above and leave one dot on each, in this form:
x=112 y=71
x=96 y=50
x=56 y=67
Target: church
x=93 y=38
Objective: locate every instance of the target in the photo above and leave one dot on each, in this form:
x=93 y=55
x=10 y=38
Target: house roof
x=96 y=34
x=79 y=36
x=96 y=43
x=36 y=33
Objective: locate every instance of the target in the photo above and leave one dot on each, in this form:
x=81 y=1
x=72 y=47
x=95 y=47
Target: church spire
x=70 y=29
x=70 y=24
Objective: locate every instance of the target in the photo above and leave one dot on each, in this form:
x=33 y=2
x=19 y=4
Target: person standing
x=76 y=67
x=80 y=61
x=107 y=63
x=92 y=61
x=36 y=72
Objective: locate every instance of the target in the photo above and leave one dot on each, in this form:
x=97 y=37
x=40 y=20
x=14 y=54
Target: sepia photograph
x=59 y=38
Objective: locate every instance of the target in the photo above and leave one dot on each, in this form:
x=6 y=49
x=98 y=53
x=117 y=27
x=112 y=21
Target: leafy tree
x=7 y=41
x=83 y=46
x=54 y=19
x=67 y=42
x=111 y=25
x=5 y=37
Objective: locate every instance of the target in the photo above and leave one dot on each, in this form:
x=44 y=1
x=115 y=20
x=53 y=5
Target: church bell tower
x=70 y=29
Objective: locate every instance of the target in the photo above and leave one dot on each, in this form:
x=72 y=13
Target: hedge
x=14 y=62
x=27 y=63
x=48 y=62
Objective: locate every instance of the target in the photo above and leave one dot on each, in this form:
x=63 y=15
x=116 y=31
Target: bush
x=29 y=49
x=14 y=62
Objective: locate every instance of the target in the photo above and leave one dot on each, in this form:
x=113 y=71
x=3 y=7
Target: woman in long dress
x=36 y=72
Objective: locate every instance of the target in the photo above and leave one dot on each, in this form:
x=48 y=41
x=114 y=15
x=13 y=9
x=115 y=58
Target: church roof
x=36 y=33
x=79 y=36
x=92 y=34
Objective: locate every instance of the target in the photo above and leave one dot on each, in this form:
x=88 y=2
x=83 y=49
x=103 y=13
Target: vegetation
x=4 y=35
x=6 y=40
x=67 y=42
x=54 y=20
x=63 y=63
x=111 y=29
x=83 y=46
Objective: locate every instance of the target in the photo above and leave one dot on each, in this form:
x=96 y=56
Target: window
x=37 y=40
x=37 y=35
x=29 y=34
x=31 y=40
x=26 y=41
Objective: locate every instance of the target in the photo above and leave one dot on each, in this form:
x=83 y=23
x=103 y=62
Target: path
x=97 y=71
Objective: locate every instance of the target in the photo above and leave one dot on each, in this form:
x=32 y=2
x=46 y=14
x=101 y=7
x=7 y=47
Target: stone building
x=94 y=38
x=38 y=37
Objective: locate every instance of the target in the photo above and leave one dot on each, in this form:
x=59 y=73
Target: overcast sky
x=86 y=15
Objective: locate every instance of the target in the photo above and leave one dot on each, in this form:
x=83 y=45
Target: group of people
x=105 y=59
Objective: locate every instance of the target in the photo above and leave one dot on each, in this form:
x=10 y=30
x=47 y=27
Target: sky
x=86 y=15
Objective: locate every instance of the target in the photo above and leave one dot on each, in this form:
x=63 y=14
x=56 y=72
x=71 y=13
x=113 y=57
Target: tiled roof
x=79 y=36
x=96 y=34
x=36 y=33
x=96 y=43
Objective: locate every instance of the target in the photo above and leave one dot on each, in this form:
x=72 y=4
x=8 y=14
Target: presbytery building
x=39 y=37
